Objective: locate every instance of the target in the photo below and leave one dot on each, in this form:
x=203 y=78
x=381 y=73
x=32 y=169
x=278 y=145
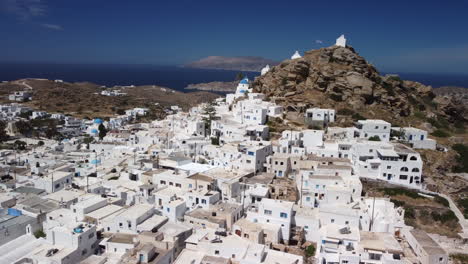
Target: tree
x=239 y=76
x=40 y=143
x=209 y=113
x=39 y=233
x=24 y=127
x=374 y=138
x=102 y=131
x=51 y=130
x=3 y=135
x=20 y=145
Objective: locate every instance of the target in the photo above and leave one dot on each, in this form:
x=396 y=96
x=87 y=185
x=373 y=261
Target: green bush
x=394 y=78
x=463 y=203
x=444 y=217
x=39 y=233
x=357 y=116
x=419 y=115
x=442 y=201
x=402 y=191
x=310 y=251
x=409 y=213
x=440 y=133
x=374 y=138
x=462 y=158
x=345 y=111
x=397 y=203
x=215 y=140
x=336 y=97
x=459 y=258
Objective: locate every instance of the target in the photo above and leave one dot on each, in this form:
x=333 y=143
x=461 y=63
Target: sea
x=173 y=77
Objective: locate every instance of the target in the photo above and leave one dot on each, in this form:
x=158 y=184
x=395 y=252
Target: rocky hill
x=247 y=63
x=337 y=77
x=85 y=99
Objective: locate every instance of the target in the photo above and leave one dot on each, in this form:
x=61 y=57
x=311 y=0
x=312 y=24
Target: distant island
x=243 y=63
x=214 y=86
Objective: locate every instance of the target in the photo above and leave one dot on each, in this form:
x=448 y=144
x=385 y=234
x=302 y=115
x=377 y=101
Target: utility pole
x=243 y=196
x=302 y=183
x=371 y=222
x=95 y=163
x=52 y=176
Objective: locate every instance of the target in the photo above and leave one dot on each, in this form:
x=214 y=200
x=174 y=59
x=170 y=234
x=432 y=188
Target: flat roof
x=384 y=242
x=122 y=238
x=429 y=245
x=105 y=211
x=387 y=152
x=63 y=195
x=136 y=211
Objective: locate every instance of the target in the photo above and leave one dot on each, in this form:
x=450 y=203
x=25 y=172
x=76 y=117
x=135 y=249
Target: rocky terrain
x=84 y=99
x=339 y=77
x=458 y=92
x=214 y=86
x=247 y=63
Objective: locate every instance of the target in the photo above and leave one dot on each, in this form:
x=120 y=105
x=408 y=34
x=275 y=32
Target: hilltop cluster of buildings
x=212 y=185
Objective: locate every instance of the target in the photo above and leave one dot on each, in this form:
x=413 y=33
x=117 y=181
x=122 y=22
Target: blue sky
x=404 y=36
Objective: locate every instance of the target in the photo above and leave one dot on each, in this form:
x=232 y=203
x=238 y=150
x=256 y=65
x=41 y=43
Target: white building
x=20 y=96
x=341 y=41
x=372 y=128
x=265 y=69
x=274 y=215
x=418 y=138
x=319 y=117
x=296 y=55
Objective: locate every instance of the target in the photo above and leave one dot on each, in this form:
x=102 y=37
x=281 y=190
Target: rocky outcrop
x=338 y=77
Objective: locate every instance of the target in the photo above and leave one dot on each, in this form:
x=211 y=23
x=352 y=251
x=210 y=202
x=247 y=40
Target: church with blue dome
x=243 y=87
x=93 y=129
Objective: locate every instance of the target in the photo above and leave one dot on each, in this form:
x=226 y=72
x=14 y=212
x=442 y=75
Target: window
x=283 y=215
x=216 y=252
x=346 y=222
x=168 y=209
x=251 y=153
x=267 y=212
x=163 y=182
x=203 y=201
x=389 y=167
x=404 y=169
x=332 y=221
x=403 y=177
x=413 y=158
x=308 y=199
x=415 y=170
